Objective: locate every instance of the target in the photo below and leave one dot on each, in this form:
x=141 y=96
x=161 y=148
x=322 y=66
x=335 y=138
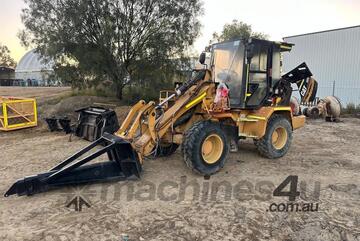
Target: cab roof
x=284 y=46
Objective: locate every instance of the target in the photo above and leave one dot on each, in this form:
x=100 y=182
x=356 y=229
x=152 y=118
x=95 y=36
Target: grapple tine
x=123 y=163
x=28 y=186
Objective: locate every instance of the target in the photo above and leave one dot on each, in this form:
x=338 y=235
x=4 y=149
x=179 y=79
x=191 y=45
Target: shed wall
x=331 y=56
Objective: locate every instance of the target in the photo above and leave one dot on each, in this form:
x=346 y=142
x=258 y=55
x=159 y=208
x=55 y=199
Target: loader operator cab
x=249 y=69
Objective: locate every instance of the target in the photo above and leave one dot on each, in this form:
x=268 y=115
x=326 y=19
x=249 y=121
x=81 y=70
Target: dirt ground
x=33 y=92
x=172 y=203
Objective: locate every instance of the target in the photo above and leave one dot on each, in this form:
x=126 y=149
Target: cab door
x=258 y=79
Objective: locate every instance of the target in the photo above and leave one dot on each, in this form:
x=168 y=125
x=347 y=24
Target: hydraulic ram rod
x=183 y=88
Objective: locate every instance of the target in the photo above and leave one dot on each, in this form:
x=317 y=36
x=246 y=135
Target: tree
x=237 y=30
x=149 y=78
x=5 y=58
x=106 y=40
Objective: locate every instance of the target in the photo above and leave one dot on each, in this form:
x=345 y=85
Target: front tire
x=277 y=139
x=205 y=147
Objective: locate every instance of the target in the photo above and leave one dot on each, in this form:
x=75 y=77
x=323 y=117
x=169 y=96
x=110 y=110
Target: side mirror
x=202 y=58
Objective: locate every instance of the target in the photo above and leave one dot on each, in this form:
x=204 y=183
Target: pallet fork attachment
x=123 y=164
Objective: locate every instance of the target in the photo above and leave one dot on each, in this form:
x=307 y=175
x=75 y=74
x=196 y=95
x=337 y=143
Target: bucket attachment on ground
x=59 y=124
x=94 y=121
x=65 y=124
x=52 y=124
x=123 y=163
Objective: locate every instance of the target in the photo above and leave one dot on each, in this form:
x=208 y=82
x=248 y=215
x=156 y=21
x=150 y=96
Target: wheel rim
x=212 y=148
x=279 y=138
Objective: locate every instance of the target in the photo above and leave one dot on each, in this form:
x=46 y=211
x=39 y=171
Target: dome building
x=33 y=71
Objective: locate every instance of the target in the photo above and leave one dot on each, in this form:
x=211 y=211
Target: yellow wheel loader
x=238 y=93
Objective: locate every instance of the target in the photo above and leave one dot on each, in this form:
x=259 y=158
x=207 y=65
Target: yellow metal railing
x=17 y=113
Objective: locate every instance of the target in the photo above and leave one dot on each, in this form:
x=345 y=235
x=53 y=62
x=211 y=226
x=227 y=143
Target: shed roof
x=325 y=31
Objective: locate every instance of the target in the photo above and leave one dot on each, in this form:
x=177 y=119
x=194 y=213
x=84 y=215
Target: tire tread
x=190 y=139
x=264 y=145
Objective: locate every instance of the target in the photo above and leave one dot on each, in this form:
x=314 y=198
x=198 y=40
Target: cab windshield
x=227 y=63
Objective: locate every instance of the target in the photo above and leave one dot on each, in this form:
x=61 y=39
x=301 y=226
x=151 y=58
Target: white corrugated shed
x=332 y=55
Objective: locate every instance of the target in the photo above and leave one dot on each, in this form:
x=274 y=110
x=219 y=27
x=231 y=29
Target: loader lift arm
x=187 y=96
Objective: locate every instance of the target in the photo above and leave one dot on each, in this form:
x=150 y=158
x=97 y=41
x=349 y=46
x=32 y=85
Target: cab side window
x=257 y=85
x=259 y=61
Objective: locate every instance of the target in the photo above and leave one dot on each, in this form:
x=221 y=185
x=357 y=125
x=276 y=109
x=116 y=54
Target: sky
x=277 y=18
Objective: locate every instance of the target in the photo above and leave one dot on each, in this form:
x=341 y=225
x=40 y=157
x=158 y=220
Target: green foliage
x=109 y=41
x=237 y=30
x=351 y=108
x=5 y=58
x=77 y=77
x=149 y=78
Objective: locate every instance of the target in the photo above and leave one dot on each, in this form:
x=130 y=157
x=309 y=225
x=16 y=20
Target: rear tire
x=277 y=139
x=205 y=147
